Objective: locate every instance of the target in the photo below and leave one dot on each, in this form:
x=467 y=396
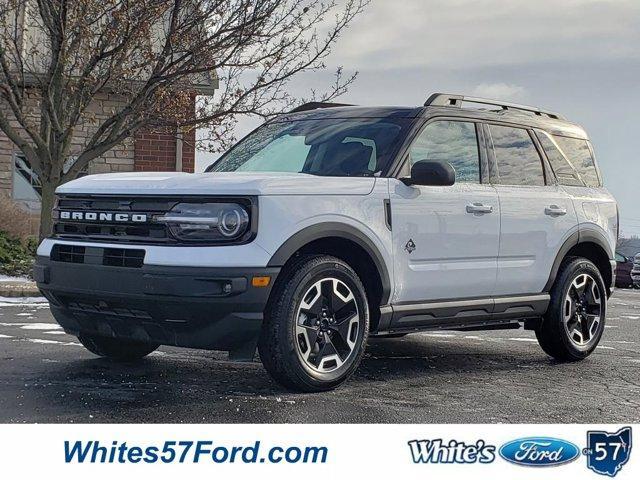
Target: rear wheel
x=317 y=325
x=116 y=348
x=574 y=322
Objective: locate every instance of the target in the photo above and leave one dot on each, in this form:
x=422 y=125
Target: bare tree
x=56 y=56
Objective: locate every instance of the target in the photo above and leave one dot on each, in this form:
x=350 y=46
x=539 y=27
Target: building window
x=26 y=184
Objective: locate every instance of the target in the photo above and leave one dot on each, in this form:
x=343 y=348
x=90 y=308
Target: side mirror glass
x=430 y=173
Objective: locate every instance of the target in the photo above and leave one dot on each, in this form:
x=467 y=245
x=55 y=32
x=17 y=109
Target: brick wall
x=147 y=151
x=155 y=151
x=118 y=159
x=189 y=151
x=6 y=168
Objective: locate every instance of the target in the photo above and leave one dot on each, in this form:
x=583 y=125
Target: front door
x=445 y=238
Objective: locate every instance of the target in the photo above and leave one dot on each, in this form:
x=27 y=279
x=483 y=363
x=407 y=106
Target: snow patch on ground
x=40 y=326
x=22 y=301
x=52 y=342
x=7 y=278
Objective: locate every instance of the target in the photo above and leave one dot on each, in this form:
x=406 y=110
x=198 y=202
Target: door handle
x=555 y=211
x=479 y=208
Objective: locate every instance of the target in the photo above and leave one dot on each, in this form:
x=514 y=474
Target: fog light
x=261 y=281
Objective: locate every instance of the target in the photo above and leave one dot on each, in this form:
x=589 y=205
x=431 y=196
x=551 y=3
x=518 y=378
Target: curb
x=19 y=289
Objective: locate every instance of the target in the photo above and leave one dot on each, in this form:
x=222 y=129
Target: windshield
x=327 y=147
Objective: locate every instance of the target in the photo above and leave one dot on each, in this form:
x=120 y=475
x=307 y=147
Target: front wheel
x=115 y=348
x=316 y=326
x=574 y=322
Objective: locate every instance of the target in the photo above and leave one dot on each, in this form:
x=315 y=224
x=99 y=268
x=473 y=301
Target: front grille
x=113 y=231
x=105 y=309
x=117 y=233
x=111 y=257
x=68 y=253
x=123 y=257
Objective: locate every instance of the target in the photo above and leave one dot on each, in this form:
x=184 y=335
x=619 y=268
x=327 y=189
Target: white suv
x=335 y=223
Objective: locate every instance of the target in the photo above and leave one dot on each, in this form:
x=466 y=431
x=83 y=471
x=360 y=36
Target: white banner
x=315 y=451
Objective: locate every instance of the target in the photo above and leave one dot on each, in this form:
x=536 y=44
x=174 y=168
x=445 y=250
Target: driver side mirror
x=426 y=172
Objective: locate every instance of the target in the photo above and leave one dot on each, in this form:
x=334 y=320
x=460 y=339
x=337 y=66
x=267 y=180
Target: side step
x=495 y=326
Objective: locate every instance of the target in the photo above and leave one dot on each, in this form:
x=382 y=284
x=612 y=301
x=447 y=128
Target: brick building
x=159 y=150
x=148 y=150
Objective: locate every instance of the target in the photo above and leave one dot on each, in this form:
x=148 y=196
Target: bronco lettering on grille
x=104 y=217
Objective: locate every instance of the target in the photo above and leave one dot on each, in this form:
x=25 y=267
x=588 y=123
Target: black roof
x=550 y=122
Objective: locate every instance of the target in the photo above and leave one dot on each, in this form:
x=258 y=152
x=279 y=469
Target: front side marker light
x=260 y=282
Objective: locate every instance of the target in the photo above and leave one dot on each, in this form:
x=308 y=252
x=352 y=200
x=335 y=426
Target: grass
x=16 y=256
x=18 y=238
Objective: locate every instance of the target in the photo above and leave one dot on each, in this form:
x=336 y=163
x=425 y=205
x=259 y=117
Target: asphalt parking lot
x=439 y=377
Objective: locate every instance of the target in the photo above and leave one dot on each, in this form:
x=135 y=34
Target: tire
x=566 y=315
x=115 y=348
x=313 y=338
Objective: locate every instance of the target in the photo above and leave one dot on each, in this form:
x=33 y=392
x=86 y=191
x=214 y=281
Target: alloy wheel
x=582 y=310
x=327 y=324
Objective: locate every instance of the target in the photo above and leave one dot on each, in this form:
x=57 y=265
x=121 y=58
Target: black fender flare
x=587 y=235
x=340 y=230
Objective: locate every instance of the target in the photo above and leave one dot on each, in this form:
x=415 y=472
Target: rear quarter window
x=578 y=153
x=564 y=170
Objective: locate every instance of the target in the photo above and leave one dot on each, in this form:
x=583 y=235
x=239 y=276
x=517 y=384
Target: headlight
x=207 y=222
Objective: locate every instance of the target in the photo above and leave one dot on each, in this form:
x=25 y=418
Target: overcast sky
x=578 y=57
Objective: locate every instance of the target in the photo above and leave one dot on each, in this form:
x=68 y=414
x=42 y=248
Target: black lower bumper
x=197 y=307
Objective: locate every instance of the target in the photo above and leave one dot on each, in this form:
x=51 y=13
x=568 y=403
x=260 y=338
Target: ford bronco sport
x=331 y=224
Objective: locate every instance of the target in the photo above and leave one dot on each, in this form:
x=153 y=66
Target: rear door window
x=579 y=154
x=517 y=157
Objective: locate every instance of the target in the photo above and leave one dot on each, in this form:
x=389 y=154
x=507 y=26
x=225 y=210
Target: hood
x=234 y=183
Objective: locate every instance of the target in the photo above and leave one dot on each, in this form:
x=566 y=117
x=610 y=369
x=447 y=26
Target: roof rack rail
x=447 y=100
x=315 y=105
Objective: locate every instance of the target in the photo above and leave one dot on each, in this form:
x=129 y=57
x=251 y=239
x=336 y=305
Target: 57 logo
x=607 y=452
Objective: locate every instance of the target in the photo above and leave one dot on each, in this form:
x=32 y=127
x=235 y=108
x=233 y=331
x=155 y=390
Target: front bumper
x=197 y=307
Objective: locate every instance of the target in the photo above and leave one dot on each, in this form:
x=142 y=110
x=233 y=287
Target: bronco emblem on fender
x=410 y=246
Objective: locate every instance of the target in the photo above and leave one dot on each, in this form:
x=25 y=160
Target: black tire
x=279 y=345
x=116 y=348
x=552 y=334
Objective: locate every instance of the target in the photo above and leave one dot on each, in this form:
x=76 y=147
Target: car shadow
x=182 y=385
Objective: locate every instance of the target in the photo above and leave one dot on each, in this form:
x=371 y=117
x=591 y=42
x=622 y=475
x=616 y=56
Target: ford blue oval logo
x=539 y=451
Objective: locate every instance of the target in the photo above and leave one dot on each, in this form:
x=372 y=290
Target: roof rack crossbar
x=447 y=100
x=315 y=105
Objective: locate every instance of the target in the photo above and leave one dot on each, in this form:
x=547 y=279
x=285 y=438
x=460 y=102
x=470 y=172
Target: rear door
x=536 y=215
x=445 y=238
